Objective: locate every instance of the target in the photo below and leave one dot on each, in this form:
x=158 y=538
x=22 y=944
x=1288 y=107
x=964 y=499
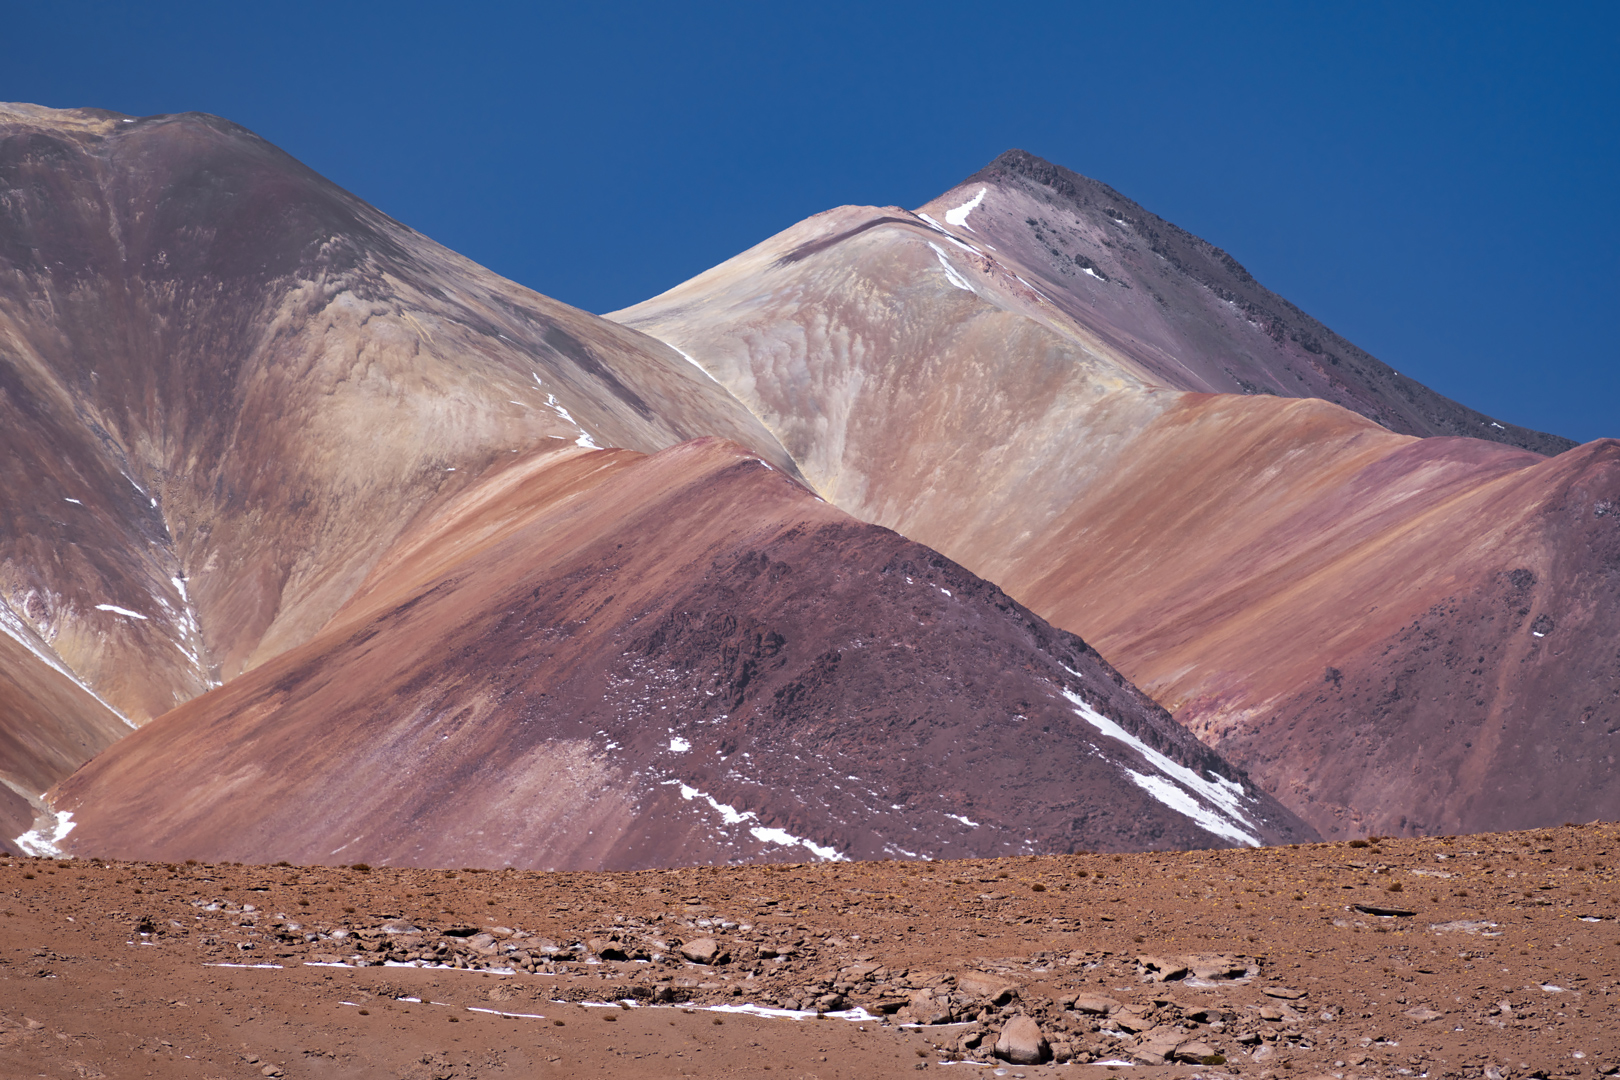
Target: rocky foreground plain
x=1493 y=955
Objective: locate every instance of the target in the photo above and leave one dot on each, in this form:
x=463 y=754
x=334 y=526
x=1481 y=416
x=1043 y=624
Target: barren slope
x=1319 y=595
x=226 y=385
x=1185 y=309
x=599 y=660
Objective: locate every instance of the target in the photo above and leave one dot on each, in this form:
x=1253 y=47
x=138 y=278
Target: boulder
x=1196 y=1052
x=1021 y=1042
x=1163 y=968
x=1094 y=1004
x=986 y=987
x=704 y=950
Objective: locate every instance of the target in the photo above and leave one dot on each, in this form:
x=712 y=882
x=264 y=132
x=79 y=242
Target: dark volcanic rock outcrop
x=226 y=385
x=600 y=660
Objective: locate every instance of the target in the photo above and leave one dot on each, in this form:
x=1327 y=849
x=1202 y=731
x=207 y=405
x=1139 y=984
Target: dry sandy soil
x=1506 y=966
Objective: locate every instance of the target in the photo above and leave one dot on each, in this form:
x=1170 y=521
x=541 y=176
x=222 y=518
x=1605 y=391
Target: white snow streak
x=787 y=839
x=732 y=816
x=1227 y=818
x=950 y=271
x=691 y=361
x=680 y=746
x=963 y=820
x=959 y=216
x=115 y=609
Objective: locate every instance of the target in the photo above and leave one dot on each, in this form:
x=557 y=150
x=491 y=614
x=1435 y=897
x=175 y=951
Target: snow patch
x=1223 y=816
x=75 y=502
x=115 y=609
x=680 y=746
x=732 y=816
x=786 y=839
x=959 y=215
x=963 y=820
x=35 y=842
x=950 y=271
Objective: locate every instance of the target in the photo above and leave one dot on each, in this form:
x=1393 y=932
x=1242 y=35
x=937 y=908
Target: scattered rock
x=1218 y=966
x=1196 y=1052
x=1163 y=969
x=986 y=987
x=1422 y=1014
x=1284 y=992
x=704 y=950
x=1094 y=1004
x=1021 y=1042
x=607 y=949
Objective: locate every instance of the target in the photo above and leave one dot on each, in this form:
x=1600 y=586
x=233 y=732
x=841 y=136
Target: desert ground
x=1494 y=955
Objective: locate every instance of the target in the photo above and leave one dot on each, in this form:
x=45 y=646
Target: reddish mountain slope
x=1226 y=552
x=602 y=660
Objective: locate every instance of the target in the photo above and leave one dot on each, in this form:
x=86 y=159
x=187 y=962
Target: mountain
x=601 y=660
x=1391 y=633
x=226 y=385
x=1185 y=310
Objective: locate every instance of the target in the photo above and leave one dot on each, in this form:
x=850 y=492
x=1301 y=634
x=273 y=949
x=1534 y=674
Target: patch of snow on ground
x=180 y=587
x=950 y=271
x=1221 y=793
x=732 y=816
x=75 y=502
x=787 y=839
x=959 y=215
x=963 y=820
x=35 y=842
x=115 y=609
x=1182 y=803
x=678 y=744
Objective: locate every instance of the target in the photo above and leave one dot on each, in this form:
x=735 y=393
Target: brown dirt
x=1508 y=966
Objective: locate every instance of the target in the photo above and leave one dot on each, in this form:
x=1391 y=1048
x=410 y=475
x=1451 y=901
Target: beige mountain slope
x=1391 y=633
x=226 y=385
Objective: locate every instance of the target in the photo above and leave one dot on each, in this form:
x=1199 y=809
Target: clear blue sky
x=1436 y=182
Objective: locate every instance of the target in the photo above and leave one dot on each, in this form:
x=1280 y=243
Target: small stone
x=270 y=1070
x=1284 y=992
x=1422 y=1015
x=1021 y=1042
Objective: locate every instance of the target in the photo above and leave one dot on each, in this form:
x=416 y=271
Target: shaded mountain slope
x=226 y=385
x=1185 y=309
x=49 y=724
x=605 y=660
x=1225 y=552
